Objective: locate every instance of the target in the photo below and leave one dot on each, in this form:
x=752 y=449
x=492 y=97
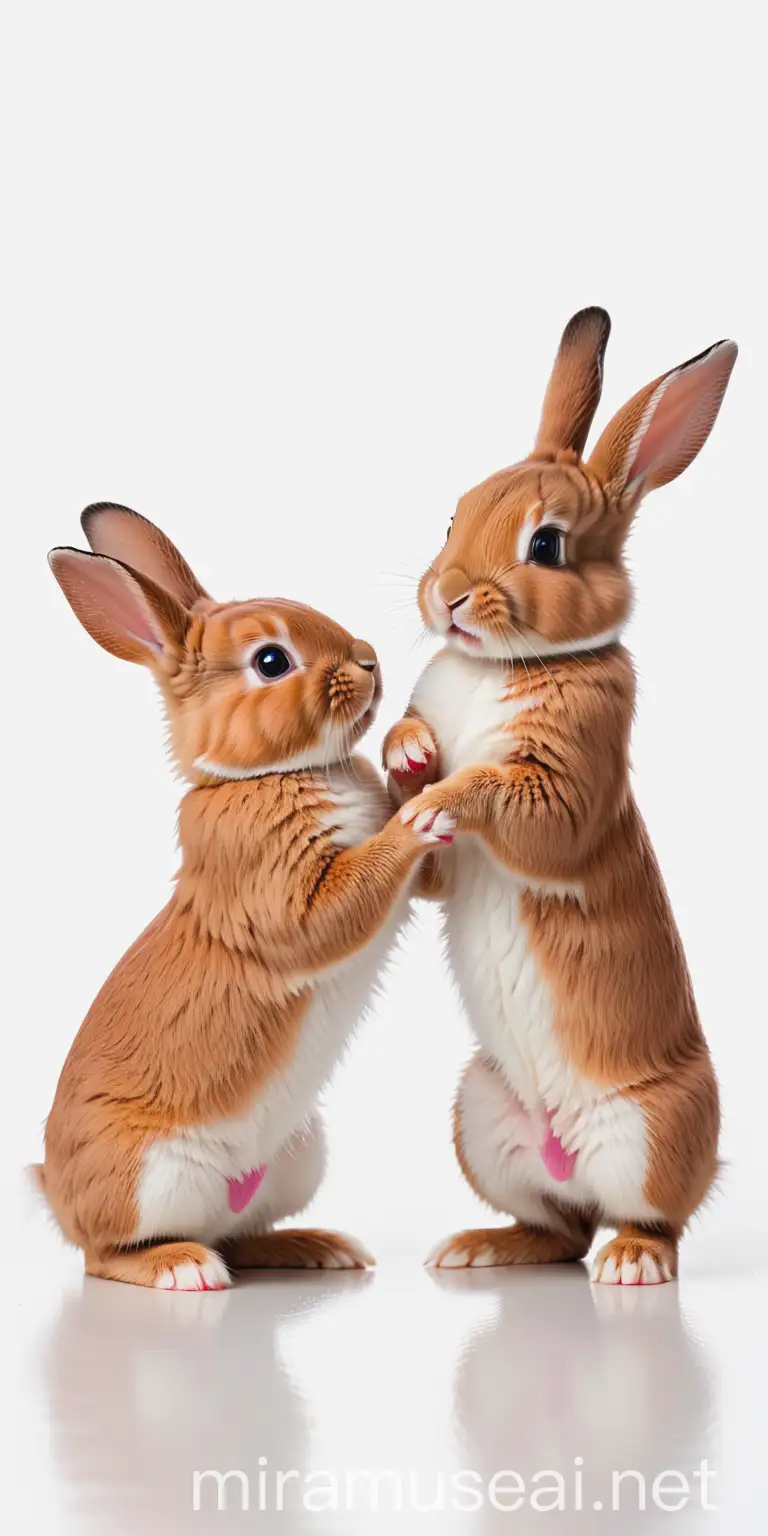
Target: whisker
x=419 y=640
x=513 y=658
x=573 y=656
x=536 y=655
x=600 y=660
x=402 y=578
x=506 y=570
x=400 y=606
x=349 y=763
x=527 y=670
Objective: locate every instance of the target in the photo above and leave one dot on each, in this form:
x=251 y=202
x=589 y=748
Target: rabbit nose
x=364 y=656
x=453 y=587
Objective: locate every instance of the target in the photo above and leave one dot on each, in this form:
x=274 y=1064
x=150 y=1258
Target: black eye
x=272 y=662
x=448 y=534
x=547 y=547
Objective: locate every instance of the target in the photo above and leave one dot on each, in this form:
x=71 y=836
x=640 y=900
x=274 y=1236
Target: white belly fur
x=506 y=996
x=182 y=1187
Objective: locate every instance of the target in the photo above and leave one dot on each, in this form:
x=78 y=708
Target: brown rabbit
x=184 y=1123
x=592 y=1099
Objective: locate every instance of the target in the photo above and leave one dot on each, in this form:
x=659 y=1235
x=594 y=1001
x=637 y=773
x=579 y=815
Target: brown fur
x=521 y=1244
x=560 y=807
x=305 y=1249
x=205 y=1006
x=144 y=1266
x=631 y=1242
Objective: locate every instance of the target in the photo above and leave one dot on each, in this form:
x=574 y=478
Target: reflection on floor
x=407 y=1390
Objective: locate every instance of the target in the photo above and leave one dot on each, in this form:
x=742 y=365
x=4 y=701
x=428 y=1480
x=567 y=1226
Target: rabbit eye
x=547 y=547
x=271 y=662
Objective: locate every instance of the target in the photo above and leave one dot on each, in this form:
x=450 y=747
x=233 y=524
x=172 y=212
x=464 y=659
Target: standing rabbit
x=592 y=1099
x=184 y=1124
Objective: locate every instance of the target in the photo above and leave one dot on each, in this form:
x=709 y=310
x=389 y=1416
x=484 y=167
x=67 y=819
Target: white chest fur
x=472 y=706
x=183 y=1180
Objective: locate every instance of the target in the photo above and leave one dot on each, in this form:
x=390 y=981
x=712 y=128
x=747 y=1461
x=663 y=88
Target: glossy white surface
x=116 y=1396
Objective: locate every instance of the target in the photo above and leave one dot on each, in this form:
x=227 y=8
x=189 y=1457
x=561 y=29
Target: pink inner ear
x=665 y=421
x=110 y=592
x=681 y=420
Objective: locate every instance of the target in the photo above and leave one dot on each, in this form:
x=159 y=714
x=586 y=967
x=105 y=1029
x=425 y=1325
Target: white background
x=288 y=278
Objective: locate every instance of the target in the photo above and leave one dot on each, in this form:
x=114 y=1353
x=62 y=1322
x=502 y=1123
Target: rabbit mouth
x=442 y=613
x=464 y=634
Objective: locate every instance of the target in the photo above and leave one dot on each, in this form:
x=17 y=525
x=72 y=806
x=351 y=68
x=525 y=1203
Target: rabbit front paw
x=410 y=753
x=447 y=798
x=430 y=825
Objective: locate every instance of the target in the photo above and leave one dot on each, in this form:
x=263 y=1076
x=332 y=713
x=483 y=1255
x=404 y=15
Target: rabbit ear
x=123 y=611
x=576 y=382
x=660 y=431
x=125 y=535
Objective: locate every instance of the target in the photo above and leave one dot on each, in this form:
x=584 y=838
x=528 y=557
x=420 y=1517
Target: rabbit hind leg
x=492 y=1142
